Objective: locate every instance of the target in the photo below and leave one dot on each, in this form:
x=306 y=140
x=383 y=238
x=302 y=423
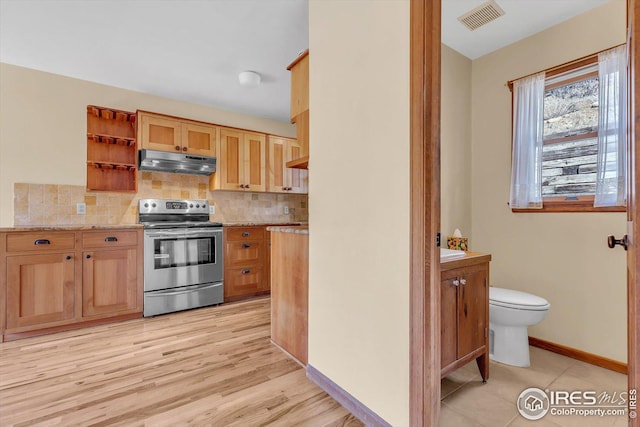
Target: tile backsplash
x=49 y=204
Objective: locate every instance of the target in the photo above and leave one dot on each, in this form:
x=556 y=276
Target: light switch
x=286 y=210
x=212 y=210
x=81 y=208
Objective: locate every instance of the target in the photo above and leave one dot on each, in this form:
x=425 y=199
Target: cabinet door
x=297 y=178
x=40 y=289
x=108 y=281
x=472 y=309
x=198 y=139
x=246 y=281
x=277 y=181
x=254 y=161
x=158 y=133
x=231 y=160
x=239 y=254
x=449 y=318
x=300 y=86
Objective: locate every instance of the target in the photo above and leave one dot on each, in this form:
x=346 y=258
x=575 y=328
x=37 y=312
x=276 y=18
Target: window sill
x=559 y=205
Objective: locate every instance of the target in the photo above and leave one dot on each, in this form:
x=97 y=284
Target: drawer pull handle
x=246 y=271
x=42 y=242
x=110 y=239
x=88 y=256
x=68 y=257
x=246 y=234
x=463 y=281
x=456 y=282
x=246 y=245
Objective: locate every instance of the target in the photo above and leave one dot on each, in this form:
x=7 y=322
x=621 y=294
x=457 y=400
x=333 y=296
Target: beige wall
x=455 y=131
x=359 y=200
x=561 y=257
x=43 y=126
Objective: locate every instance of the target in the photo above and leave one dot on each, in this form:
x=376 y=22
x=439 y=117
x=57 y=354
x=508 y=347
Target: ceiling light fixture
x=249 y=78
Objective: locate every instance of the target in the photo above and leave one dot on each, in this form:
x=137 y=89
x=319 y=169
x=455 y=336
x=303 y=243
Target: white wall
x=43 y=126
x=455 y=142
x=359 y=200
x=561 y=257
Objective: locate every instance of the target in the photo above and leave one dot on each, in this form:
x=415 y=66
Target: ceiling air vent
x=481 y=15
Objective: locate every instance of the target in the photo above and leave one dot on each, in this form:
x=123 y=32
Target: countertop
x=79 y=227
x=470 y=258
x=296 y=229
x=262 y=223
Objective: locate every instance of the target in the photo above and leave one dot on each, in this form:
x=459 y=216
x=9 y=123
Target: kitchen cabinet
x=166 y=133
x=300 y=107
x=280 y=178
x=60 y=280
x=242 y=161
x=112 y=151
x=290 y=290
x=246 y=270
x=464 y=299
x=109 y=272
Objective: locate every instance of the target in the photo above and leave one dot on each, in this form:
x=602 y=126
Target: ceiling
x=522 y=18
x=193 y=50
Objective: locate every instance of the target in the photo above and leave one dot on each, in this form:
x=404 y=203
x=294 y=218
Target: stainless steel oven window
x=180 y=252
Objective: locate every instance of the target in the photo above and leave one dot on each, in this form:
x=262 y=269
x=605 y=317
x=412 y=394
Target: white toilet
x=510 y=312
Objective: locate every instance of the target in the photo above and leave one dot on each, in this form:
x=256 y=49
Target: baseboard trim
x=583 y=356
x=353 y=405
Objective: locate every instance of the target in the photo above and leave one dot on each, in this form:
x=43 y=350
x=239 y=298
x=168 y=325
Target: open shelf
x=112 y=154
x=301 y=163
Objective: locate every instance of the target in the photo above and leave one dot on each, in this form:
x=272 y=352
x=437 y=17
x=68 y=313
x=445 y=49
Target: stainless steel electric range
x=183 y=256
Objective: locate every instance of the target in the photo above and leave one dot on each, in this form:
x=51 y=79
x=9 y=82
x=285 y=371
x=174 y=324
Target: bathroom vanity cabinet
x=464 y=299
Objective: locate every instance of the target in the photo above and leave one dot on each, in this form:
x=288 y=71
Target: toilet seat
x=517 y=300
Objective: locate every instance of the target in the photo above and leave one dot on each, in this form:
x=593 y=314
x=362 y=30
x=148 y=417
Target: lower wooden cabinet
x=40 y=289
x=58 y=280
x=464 y=301
x=109 y=281
x=246 y=266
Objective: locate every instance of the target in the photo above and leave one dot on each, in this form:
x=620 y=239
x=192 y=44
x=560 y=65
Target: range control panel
x=173 y=206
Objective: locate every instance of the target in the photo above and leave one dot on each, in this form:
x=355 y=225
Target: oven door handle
x=183 y=232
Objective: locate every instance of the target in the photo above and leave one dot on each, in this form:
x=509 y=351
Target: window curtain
x=611 y=169
x=528 y=125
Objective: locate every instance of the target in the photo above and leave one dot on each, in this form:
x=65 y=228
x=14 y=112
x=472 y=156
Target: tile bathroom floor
x=466 y=402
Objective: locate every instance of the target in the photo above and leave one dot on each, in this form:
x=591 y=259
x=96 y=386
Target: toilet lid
x=516 y=299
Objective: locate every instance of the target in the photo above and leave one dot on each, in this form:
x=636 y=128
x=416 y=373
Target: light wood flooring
x=207 y=367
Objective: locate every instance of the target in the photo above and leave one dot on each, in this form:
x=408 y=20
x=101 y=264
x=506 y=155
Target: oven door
x=178 y=257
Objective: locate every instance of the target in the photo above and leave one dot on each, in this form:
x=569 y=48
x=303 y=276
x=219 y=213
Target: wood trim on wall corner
x=424 y=286
x=583 y=356
x=353 y=405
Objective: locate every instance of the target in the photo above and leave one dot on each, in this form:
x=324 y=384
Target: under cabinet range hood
x=165 y=161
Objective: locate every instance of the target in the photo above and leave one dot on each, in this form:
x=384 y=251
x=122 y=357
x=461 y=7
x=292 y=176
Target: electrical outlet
x=81 y=208
x=286 y=210
x=212 y=210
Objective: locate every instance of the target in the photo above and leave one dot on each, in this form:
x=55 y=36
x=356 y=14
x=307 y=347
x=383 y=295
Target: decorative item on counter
x=457 y=242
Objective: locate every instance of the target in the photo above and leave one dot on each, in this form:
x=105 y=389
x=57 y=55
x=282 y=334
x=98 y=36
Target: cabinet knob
x=246 y=234
x=177 y=148
x=184 y=148
x=247 y=186
x=68 y=257
x=42 y=242
x=88 y=256
x=246 y=271
x=456 y=282
x=463 y=281
x=246 y=245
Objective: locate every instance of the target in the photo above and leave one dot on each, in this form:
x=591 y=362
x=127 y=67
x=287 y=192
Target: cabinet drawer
x=45 y=241
x=109 y=239
x=238 y=254
x=244 y=233
x=243 y=281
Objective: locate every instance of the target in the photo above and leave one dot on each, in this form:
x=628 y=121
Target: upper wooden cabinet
x=241 y=161
x=165 y=133
x=281 y=179
x=299 y=84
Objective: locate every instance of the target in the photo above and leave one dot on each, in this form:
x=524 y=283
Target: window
x=560 y=165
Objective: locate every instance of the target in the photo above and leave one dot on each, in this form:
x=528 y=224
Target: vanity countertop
x=470 y=258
